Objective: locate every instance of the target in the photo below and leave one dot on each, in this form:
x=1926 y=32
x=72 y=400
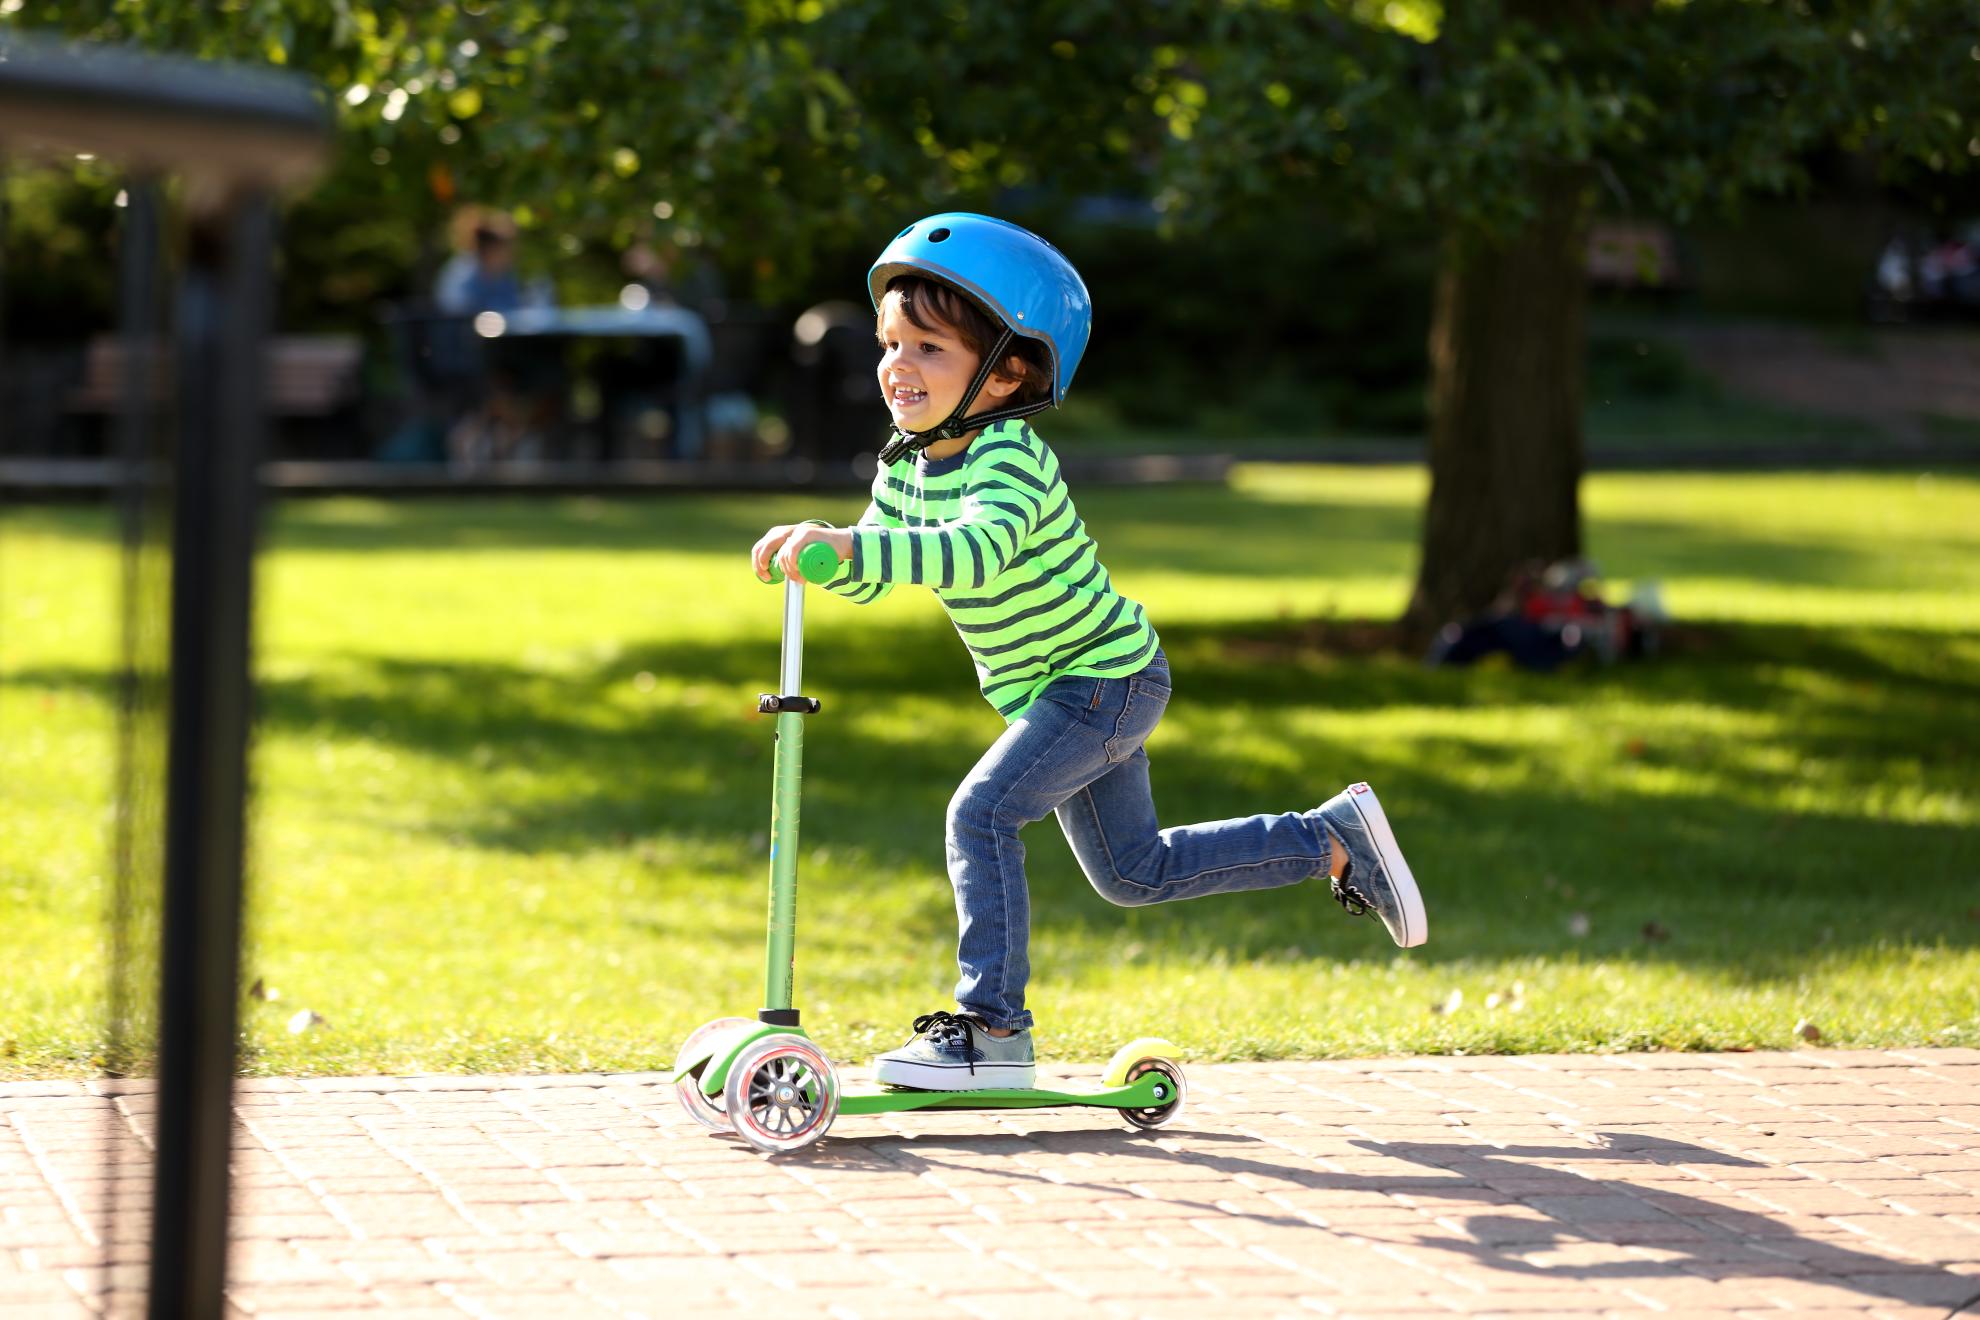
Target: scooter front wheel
x=702 y=1107
x=782 y=1093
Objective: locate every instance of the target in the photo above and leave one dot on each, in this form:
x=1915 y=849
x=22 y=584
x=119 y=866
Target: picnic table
x=617 y=370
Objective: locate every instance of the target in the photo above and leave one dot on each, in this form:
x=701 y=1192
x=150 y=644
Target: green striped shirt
x=993 y=531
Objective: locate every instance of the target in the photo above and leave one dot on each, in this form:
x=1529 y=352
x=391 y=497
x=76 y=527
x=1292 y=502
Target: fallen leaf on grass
x=1512 y=999
x=1808 y=1031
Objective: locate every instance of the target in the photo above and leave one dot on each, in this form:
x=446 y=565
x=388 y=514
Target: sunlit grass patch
x=512 y=797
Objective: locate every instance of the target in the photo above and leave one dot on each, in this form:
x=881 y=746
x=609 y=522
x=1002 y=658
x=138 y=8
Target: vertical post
x=4 y=219
x=137 y=326
x=3 y=255
x=781 y=946
x=222 y=313
x=135 y=838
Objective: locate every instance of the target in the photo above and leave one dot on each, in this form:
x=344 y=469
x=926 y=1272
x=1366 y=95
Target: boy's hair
x=933 y=305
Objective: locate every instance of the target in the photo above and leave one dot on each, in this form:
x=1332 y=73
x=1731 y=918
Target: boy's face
x=923 y=373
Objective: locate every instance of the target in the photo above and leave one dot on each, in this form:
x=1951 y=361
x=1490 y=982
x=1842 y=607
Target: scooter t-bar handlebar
x=817 y=562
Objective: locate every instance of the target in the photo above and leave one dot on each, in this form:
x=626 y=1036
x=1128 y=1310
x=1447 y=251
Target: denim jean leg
x=1047 y=754
x=1132 y=861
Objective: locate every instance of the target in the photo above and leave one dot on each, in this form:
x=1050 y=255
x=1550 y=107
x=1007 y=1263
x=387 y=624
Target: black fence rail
x=232 y=138
x=93 y=479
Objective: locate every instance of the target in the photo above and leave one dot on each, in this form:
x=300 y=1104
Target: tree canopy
x=775 y=127
x=770 y=132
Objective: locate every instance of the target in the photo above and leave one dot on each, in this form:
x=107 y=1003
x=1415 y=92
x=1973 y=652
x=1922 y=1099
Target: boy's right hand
x=766 y=549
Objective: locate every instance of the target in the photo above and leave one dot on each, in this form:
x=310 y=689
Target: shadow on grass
x=681 y=523
x=1737 y=880
x=1184 y=529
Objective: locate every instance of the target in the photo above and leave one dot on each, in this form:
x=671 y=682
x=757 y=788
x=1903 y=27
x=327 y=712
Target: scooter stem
x=778 y=971
x=786 y=777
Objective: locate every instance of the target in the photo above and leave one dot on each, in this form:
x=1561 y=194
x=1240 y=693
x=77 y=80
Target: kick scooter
x=764 y=1079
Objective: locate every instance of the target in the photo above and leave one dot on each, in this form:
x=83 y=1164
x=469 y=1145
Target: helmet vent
x=937 y=235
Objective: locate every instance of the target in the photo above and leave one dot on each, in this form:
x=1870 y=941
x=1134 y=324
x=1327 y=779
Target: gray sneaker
x=956 y=1052
x=1376 y=877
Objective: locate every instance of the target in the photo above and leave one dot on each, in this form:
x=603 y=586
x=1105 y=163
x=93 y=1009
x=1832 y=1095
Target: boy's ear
x=1003 y=384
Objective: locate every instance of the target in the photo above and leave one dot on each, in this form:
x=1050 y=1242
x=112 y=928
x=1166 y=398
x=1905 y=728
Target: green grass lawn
x=512 y=797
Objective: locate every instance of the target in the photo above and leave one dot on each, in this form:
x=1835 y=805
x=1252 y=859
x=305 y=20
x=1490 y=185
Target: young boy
x=982 y=324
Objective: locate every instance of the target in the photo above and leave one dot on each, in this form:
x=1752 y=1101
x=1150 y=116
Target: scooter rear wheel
x=703 y=1108
x=1165 y=1113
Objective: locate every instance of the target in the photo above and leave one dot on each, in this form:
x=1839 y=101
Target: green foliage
x=58 y=280
x=1281 y=324
x=511 y=798
x=784 y=140
x=1635 y=364
x=1675 y=109
x=768 y=130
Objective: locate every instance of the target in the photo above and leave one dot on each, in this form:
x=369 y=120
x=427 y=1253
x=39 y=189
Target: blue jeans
x=1077 y=750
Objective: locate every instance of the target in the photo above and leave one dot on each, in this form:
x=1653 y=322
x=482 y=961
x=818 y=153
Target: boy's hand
x=766 y=546
x=839 y=538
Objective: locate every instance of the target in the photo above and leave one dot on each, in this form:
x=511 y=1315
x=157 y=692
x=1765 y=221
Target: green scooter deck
x=1138 y=1094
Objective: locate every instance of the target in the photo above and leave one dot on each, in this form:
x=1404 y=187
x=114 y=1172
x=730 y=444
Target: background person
x=518 y=409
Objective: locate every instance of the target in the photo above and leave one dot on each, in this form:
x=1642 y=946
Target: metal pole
x=135 y=838
x=138 y=327
x=223 y=313
x=3 y=261
x=780 y=953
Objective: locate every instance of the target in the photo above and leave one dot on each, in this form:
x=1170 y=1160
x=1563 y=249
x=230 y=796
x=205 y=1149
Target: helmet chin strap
x=907 y=442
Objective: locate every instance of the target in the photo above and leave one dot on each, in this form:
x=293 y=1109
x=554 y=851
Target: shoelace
x=1348 y=896
x=944 y=1028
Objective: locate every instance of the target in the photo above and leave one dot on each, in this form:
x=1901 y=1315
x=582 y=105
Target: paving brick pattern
x=1820 y=1183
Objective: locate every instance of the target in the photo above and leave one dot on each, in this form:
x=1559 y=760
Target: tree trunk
x=1506 y=367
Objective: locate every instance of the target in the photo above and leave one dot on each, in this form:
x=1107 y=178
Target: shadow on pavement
x=1511 y=1210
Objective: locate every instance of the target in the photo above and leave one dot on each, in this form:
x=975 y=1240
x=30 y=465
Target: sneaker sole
x=957 y=1076
x=1415 y=925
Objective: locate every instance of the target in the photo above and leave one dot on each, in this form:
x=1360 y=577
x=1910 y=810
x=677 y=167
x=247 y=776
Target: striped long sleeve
x=994 y=532
x=845 y=584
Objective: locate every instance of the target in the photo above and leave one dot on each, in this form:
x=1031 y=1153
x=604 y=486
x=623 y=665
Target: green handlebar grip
x=818 y=562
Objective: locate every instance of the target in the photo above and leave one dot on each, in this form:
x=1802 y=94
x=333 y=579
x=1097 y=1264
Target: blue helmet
x=1017 y=277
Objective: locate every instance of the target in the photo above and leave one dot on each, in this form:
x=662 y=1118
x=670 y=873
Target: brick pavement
x=1821 y=1183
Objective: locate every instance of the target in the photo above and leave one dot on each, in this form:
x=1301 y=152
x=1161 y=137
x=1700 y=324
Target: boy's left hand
x=839 y=538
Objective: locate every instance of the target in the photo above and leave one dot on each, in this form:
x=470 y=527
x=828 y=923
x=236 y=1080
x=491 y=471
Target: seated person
x=518 y=409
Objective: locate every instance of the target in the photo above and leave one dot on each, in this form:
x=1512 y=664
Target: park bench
x=1634 y=254
x=314 y=379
